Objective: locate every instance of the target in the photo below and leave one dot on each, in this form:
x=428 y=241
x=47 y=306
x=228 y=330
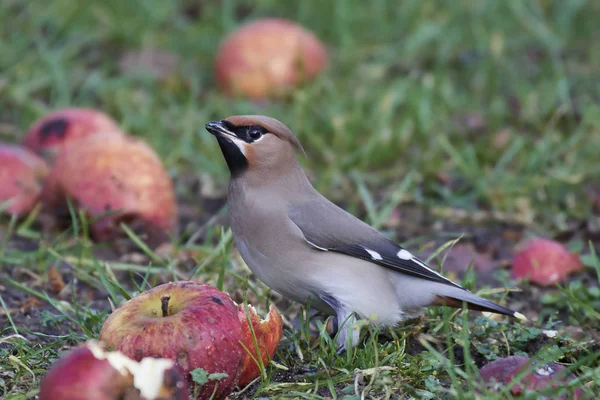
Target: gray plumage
x=308 y=249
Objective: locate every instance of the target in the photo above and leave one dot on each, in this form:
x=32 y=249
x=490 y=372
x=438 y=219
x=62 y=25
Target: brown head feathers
x=272 y=125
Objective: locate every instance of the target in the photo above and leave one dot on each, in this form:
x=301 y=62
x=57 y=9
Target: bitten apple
x=114 y=179
x=268 y=57
x=89 y=372
x=21 y=178
x=48 y=135
x=267 y=333
x=194 y=324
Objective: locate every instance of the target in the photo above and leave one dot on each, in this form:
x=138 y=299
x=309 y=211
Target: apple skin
x=114 y=179
x=544 y=262
x=504 y=370
x=88 y=372
x=21 y=178
x=79 y=375
x=267 y=58
x=268 y=333
x=201 y=330
x=49 y=134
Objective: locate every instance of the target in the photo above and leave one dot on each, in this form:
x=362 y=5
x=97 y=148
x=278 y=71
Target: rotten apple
x=262 y=335
x=267 y=58
x=538 y=377
x=114 y=179
x=48 y=135
x=21 y=178
x=544 y=262
x=194 y=324
x=89 y=372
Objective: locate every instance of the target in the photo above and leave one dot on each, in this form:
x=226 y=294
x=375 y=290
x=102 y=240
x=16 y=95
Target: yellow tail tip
x=520 y=316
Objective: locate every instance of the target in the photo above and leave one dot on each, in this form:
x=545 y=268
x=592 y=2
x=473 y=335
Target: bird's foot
x=348 y=332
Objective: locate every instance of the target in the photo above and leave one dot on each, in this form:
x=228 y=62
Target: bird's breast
x=279 y=269
x=269 y=243
x=252 y=259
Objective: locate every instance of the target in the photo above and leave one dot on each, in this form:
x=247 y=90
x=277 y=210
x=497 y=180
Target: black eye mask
x=247 y=133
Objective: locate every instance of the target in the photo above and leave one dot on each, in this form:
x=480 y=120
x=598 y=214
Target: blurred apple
x=114 y=178
x=194 y=324
x=89 y=372
x=48 y=135
x=544 y=262
x=502 y=371
x=21 y=178
x=268 y=57
x=267 y=333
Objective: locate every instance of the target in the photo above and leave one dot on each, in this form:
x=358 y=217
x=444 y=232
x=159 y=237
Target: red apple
x=268 y=57
x=21 y=176
x=267 y=333
x=195 y=324
x=89 y=372
x=114 y=179
x=48 y=135
x=504 y=370
x=544 y=262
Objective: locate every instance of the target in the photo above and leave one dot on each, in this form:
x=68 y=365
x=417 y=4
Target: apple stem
x=164 y=301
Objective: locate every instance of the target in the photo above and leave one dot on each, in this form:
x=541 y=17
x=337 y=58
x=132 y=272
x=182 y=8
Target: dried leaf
x=57 y=284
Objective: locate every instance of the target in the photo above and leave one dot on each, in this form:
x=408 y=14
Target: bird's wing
x=327 y=227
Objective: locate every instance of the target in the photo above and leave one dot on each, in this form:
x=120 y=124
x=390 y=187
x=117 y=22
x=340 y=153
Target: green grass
x=410 y=112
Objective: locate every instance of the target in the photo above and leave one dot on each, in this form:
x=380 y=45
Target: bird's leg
x=346 y=323
x=346 y=326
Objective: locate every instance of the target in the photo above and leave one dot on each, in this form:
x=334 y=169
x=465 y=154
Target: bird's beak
x=218 y=128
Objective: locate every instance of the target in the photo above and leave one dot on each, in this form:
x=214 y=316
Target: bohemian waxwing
x=308 y=249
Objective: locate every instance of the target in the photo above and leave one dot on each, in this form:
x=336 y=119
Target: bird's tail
x=454 y=297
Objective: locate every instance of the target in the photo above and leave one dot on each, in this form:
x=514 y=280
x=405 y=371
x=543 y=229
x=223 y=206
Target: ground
x=477 y=120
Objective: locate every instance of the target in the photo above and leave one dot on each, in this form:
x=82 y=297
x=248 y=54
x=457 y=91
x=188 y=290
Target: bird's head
x=255 y=143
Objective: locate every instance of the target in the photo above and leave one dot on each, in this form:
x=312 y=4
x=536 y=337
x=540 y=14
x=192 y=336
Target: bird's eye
x=254 y=134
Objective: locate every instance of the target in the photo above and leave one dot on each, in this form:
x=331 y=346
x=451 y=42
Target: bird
x=309 y=250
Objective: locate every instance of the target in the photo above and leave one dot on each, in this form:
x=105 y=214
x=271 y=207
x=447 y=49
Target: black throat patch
x=234 y=158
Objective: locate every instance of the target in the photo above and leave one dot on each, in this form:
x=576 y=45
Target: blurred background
x=465 y=104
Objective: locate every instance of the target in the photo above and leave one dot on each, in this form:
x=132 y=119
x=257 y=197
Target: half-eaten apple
x=114 y=179
x=194 y=324
x=89 y=372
